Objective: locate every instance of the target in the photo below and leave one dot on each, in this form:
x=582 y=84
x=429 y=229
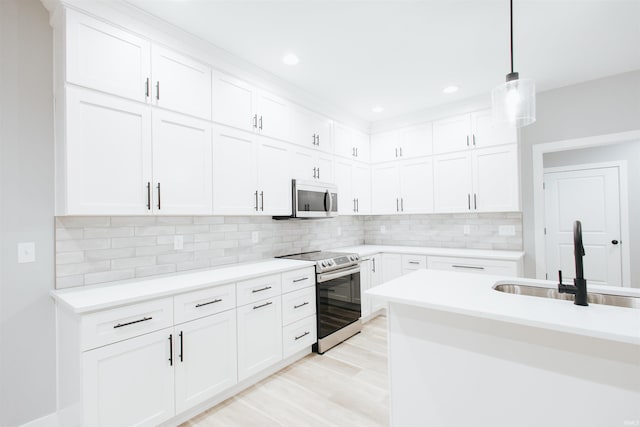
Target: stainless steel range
x=337 y=296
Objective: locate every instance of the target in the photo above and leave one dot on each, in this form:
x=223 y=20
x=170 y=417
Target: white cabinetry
x=251 y=174
x=411 y=142
x=470 y=131
x=311 y=130
x=370 y=277
x=310 y=164
x=354 y=187
x=403 y=187
x=350 y=143
x=298 y=311
x=413 y=262
x=474 y=265
x=391 y=266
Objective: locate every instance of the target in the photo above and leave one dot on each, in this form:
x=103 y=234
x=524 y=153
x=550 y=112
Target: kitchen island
x=463 y=354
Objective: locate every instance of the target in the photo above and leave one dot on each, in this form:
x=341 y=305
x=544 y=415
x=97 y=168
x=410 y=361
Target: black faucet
x=579 y=287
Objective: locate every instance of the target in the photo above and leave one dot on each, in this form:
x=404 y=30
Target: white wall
x=598 y=107
x=27 y=328
x=630 y=152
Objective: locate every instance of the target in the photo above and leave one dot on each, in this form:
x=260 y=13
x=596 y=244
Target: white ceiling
x=401 y=54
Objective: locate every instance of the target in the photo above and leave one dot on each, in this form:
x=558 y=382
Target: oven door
x=338 y=300
x=315 y=200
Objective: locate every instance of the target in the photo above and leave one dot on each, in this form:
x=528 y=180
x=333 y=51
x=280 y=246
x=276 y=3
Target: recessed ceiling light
x=377 y=109
x=450 y=89
x=290 y=59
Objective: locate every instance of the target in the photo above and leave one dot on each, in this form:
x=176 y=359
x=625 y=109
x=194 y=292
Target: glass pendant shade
x=514 y=102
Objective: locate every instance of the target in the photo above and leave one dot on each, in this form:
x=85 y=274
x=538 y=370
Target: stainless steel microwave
x=313 y=199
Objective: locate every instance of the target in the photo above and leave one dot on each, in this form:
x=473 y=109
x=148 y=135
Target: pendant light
x=514 y=102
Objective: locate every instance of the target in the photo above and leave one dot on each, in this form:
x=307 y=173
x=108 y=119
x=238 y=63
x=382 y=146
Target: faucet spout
x=579 y=287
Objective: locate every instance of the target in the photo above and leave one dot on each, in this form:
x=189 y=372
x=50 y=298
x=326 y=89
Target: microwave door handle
x=330 y=202
x=325 y=200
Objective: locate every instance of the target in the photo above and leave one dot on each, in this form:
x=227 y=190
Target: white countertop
x=473 y=295
x=91 y=298
x=364 y=250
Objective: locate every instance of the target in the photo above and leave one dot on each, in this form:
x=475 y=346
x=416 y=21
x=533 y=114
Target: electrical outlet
x=339 y=231
x=26 y=252
x=383 y=229
x=178 y=243
x=255 y=237
x=466 y=229
x=507 y=230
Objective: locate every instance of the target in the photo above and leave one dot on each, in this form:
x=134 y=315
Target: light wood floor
x=346 y=386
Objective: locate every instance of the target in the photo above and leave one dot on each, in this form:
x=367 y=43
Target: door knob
x=615 y=242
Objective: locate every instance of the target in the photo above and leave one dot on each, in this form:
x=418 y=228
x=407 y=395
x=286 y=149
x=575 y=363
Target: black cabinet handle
x=170 y=349
x=262 y=198
x=401 y=204
x=397 y=205
x=255 y=120
x=302 y=336
x=357 y=205
x=318 y=140
x=158 y=90
x=255 y=307
x=314 y=172
x=300 y=279
x=300 y=305
x=254 y=291
x=260 y=123
x=256 y=193
x=414 y=262
x=146 y=88
x=120 y=325
x=467 y=266
x=181 y=347
x=374 y=264
x=467 y=140
x=474 y=139
x=400 y=151
x=318 y=172
x=475 y=203
x=469 y=200
x=148 y=196
x=159 y=197
x=207 y=303
x=396 y=152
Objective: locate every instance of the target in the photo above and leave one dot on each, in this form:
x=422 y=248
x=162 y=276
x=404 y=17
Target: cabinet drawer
x=299 y=335
x=474 y=265
x=258 y=289
x=298 y=305
x=413 y=262
x=195 y=305
x=298 y=279
x=109 y=326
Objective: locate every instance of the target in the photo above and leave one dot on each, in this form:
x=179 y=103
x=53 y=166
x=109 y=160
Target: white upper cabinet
x=106 y=58
x=309 y=129
x=180 y=83
x=274 y=178
x=384 y=146
x=181 y=165
x=343 y=179
x=105 y=167
x=233 y=102
x=361 y=188
x=354 y=187
x=309 y=164
x=407 y=143
x=495 y=179
x=350 y=143
x=452 y=134
x=386 y=189
x=452 y=182
x=486 y=133
x=416 y=186
x=273 y=116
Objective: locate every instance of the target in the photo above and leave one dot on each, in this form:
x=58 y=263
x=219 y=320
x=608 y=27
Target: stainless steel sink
x=592 y=297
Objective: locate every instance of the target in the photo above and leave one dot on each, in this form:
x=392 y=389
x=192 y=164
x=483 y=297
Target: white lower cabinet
x=259 y=336
x=391 y=266
x=370 y=277
x=413 y=262
x=475 y=265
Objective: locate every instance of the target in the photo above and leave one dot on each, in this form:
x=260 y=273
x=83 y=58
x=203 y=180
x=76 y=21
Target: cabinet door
x=451 y=134
x=343 y=141
x=324 y=163
x=130 y=382
x=106 y=58
x=376 y=279
x=386 y=190
x=416 y=183
x=274 y=178
x=259 y=336
x=346 y=199
x=322 y=127
x=361 y=188
x=303 y=164
x=486 y=133
x=235 y=191
x=391 y=267
x=108 y=154
x=365 y=284
x=452 y=183
x=205 y=358
x=181 y=83
x=181 y=165
x=361 y=143
x=416 y=141
x=273 y=116
x=302 y=131
x=495 y=179
x=385 y=146
x=233 y=102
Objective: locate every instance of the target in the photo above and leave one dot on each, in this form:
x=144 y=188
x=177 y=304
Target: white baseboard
x=50 y=420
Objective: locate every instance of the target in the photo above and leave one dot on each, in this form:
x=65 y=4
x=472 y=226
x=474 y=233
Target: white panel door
x=181 y=165
x=302 y=132
x=234 y=102
x=416 y=141
x=486 y=133
x=108 y=150
x=304 y=164
x=452 y=134
x=346 y=198
x=130 y=382
x=273 y=116
x=391 y=267
x=343 y=140
x=591 y=196
x=274 y=178
x=386 y=189
x=495 y=179
x=259 y=336
x=366 y=266
x=324 y=163
x=361 y=187
x=322 y=127
x=205 y=358
x=376 y=279
x=235 y=191
x=181 y=83
x=106 y=58
x=361 y=143
x=416 y=184
x=385 y=146
x=452 y=183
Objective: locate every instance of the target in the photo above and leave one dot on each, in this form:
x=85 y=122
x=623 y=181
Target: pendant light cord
x=511 y=30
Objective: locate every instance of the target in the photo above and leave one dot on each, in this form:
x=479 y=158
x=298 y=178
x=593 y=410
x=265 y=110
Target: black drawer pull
x=260 y=290
x=301 y=279
x=414 y=262
x=207 y=303
x=301 y=305
x=120 y=325
x=255 y=307
x=302 y=336
x=467 y=266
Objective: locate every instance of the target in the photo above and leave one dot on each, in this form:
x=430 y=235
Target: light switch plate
x=507 y=230
x=255 y=237
x=26 y=252
x=178 y=243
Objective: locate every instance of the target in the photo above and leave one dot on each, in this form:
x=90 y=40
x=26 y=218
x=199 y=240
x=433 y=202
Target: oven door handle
x=325 y=277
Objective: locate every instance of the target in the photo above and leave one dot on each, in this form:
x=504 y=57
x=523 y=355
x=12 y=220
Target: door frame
x=538 y=151
x=623 y=189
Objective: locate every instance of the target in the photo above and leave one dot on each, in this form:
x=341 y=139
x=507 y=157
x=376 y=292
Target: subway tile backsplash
x=91 y=250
